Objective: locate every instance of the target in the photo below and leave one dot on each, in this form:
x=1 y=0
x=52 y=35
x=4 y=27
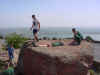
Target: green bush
x=1 y=37
x=45 y=38
x=4 y=47
x=54 y=38
x=16 y=40
x=89 y=38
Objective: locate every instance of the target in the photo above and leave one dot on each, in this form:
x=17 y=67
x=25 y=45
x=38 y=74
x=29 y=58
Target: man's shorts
x=11 y=56
x=35 y=31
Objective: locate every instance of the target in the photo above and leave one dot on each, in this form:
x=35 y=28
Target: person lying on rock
x=77 y=37
x=35 y=27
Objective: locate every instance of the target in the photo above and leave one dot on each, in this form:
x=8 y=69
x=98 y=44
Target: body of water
x=52 y=32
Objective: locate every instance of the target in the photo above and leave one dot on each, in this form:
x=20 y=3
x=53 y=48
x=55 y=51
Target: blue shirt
x=10 y=52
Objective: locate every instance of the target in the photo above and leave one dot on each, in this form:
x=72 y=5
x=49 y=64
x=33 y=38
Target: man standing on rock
x=35 y=27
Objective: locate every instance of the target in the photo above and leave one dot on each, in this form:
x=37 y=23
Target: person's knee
x=34 y=35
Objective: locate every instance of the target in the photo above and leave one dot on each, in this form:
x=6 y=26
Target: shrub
x=40 y=38
x=4 y=47
x=45 y=38
x=54 y=38
x=1 y=37
x=89 y=39
x=16 y=40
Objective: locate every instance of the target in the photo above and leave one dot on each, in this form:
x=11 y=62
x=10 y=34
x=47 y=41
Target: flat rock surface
x=66 y=51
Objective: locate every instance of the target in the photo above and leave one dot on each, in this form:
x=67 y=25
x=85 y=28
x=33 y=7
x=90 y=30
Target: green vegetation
x=1 y=37
x=89 y=39
x=54 y=38
x=45 y=38
x=4 y=47
x=16 y=40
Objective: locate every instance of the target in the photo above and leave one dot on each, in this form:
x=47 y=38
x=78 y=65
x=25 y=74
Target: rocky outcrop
x=61 y=60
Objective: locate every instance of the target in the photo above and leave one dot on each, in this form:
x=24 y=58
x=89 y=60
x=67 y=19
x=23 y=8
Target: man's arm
x=32 y=26
x=39 y=25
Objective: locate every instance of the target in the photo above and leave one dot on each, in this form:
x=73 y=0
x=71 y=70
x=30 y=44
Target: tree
x=16 y=40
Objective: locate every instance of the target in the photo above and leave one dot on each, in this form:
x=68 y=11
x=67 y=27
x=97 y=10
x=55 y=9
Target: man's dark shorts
x=35 y=31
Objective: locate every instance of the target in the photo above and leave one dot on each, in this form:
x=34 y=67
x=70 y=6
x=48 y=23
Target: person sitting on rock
x=77 y=37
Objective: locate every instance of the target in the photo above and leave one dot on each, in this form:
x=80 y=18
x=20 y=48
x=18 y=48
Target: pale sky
x=51 y=13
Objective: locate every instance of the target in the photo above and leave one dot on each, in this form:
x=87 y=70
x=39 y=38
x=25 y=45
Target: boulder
x=60 y=60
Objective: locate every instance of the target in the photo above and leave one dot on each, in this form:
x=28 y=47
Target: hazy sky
x=51 y=13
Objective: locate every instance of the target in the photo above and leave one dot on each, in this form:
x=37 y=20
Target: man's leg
x=36 y=37
x=11 y=59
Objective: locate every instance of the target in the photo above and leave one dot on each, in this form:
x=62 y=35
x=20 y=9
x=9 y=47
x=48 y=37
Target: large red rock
x=62 y=60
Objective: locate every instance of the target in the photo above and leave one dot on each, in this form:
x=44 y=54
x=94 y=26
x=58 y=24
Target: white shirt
x=35 y=23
